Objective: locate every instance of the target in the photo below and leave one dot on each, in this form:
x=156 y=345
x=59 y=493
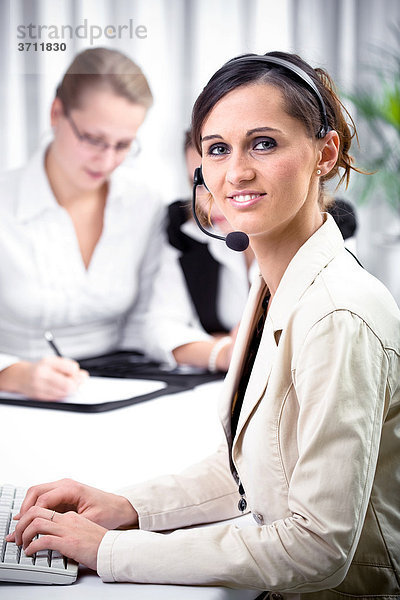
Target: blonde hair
x=103 y=68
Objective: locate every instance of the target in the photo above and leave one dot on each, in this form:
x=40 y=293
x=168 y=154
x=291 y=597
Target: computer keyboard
x=44 y=567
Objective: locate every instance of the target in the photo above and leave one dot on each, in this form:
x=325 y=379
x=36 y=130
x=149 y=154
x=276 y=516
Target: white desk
x=109 y=450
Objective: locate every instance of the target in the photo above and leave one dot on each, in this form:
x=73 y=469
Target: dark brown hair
x=106 y=69
x=300 y=103
x=188 y=141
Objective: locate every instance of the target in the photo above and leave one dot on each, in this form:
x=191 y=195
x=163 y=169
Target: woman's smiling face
x=259 y=162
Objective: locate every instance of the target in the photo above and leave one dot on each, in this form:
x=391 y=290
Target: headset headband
x=301 y=75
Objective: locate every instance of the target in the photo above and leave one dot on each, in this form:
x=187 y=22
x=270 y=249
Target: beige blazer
x=317 y=451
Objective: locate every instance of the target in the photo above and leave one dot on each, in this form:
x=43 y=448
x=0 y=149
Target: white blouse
x=172 y=319
x=44 y=283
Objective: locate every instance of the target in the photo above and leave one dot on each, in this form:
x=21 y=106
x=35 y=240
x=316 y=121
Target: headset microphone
x=235 y=240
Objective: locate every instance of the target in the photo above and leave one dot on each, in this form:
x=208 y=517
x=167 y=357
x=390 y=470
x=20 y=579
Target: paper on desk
x=96 y=390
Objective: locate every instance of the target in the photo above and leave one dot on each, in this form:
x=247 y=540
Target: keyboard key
x=58 y=561
x=42 y=558
x=26 y=560
x=12 y=553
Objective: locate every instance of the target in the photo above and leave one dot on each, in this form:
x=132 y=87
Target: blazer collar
x=313 y=256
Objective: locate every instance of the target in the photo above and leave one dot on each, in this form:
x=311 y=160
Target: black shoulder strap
x=178 y=214
x=200 y=269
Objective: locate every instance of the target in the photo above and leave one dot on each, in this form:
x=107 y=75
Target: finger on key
x=34 y=514
x=41 y=528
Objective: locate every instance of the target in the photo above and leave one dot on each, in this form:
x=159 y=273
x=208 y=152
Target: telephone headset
x=238 y=240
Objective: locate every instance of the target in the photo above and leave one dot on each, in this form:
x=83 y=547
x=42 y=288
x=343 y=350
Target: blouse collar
x=35 y=194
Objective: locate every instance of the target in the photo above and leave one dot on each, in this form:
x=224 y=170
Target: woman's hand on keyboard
x=70 y=533
x=51 y=378
x=105 y=509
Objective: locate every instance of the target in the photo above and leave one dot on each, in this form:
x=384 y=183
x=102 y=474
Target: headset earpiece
x=198 y=176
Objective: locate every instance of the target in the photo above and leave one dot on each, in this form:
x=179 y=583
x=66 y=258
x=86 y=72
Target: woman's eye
x=265 y=144
x=122 y=146
x=217 y=150
x=93 y=141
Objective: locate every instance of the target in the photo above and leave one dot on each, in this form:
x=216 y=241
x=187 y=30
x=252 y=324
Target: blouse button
x=259 y=519
x=275 y=596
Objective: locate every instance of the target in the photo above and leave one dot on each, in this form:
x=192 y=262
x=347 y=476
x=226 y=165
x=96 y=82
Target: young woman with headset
x=75 y=257
x=311 y=402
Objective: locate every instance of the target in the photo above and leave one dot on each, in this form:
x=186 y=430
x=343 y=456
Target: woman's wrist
x=12 y=378
x=128 y=513
x=213 y=364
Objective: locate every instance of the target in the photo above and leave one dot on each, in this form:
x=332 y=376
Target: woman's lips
x=245 y=199
x=95 y=174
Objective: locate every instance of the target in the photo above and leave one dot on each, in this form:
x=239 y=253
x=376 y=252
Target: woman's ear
x=56 y=111
x=328 y=152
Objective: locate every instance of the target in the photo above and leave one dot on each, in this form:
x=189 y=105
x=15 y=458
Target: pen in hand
x=48 y=336
x=75 y=374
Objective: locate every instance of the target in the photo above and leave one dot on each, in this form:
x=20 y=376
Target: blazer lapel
x=256 y=295
x=259 y=376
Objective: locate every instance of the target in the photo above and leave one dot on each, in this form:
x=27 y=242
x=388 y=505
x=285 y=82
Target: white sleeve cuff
x=104 y=556
x=6 y=360
x=162 y=351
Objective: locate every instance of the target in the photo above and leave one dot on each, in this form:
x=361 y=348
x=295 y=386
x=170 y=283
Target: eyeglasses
x=97 y=145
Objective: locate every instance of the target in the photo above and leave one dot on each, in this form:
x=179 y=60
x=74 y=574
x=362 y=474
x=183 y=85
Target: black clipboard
x=132 y=365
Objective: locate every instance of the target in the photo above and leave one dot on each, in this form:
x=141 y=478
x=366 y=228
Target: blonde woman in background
x=78 y=237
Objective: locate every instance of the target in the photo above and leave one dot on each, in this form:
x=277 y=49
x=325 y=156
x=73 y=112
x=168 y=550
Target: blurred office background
x=183 y=43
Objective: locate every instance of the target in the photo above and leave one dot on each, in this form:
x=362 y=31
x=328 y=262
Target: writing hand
x=51 y=378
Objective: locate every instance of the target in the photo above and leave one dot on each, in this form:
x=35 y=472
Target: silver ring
x=52 y=515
